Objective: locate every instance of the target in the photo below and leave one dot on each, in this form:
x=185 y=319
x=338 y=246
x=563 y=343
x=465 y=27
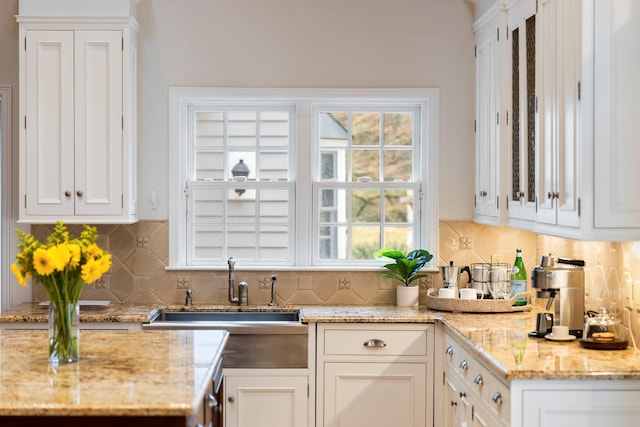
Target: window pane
x=398 y=165
x=274 y=128
x=241 y=242
x=274 y=165
x=333 y=205
x=241 y=128
x=274 y=206
x=400 y=238
x=207 y=243
x=209 y=128
x=366 y=163
x=241 y=208
x=242 y=161
x=366 y=241
x=398 y=206
x=209 y=165
x=333 y=129
x=365 y=206
x=274 y=242
x=332 y=243
x=398 y=129
x=208 y=205
x=366 y=128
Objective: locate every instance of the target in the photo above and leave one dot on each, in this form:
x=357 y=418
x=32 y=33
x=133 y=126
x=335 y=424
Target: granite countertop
x=486 y=336
x=112 y=313
x=166 y=373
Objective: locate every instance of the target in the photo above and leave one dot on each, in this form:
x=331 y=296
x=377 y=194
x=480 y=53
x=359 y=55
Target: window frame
x=304 y=155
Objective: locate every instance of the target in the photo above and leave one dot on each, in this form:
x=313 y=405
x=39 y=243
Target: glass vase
x=64 y=332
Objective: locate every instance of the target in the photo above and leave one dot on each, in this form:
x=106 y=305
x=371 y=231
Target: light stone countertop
x=487 y=336
x=120 y=373
x=112 y=313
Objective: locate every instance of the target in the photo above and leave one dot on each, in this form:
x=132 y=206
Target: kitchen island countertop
x=119 y=374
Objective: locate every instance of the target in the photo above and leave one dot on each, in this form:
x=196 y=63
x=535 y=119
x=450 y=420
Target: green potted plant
x=405 y=269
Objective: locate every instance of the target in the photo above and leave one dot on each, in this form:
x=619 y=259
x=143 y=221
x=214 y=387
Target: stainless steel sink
x=257 y=339
x=230 y=316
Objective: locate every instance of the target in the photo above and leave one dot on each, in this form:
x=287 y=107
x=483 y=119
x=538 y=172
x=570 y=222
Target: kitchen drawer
x=491 y=393
x=375 y=341
x=498 y=398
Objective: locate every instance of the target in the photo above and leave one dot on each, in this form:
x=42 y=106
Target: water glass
x=518 y=346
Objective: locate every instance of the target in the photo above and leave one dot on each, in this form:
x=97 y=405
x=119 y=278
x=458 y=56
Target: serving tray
x=478 y=305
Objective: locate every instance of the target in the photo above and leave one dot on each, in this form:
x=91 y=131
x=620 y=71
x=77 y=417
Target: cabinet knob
x=463 y=395
x=554 y=195
x=497 y=398
x=449 y=351
x=478 y=380
x=79 y=193
x=212 y=402
x=231 y=399
x=67 y=193
x=464 y=365
x=454 y=403
x=374 y=343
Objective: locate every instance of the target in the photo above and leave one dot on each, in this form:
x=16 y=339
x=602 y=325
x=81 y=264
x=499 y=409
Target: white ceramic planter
x=407 y=296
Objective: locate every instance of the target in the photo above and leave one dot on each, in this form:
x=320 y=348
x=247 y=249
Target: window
x=301 y=178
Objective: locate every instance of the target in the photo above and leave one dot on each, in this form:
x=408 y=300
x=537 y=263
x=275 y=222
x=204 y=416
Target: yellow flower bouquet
x=63 y=264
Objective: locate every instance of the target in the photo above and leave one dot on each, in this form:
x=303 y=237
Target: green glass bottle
x=518 y=278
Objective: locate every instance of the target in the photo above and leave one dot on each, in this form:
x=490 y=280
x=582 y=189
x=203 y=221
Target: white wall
x=309 y=43
x=295 y=43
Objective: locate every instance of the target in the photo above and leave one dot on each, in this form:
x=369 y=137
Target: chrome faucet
x=232 y=266
x=273 y=291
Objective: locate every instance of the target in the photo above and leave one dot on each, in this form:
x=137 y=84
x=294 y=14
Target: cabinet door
x=375 y=394
x=265 y=401
x=49 y=121
x=487 y=150
x=456 y=409
x=616 y=106
x=558 y=62
x=98 y=124
x=521 y=118
x=549 y=408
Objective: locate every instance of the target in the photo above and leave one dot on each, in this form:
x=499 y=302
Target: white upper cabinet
x=488 y=156
x=616 y=116
x=77 y=112
x=589 y=104
x=558 y=80
x=520 y=90
x=577 y=179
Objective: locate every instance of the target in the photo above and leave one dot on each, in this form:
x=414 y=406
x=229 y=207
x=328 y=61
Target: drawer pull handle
x=464 y=365
x=449 y=351
x=478 y=380
x=463 y=395
x=375 y=343
x=497 y=398
x=454 y=403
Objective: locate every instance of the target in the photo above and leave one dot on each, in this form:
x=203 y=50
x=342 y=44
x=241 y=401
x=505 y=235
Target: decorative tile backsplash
x=141 y=251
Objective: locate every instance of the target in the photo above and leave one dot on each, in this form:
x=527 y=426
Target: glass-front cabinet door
x=521 y=104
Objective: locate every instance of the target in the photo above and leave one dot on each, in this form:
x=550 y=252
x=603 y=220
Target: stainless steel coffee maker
x=561 y=280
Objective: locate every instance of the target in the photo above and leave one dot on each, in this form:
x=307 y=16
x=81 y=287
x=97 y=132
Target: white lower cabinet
x=374 y=375
x=586 y=403
x=473 y=395
x=265 y=398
